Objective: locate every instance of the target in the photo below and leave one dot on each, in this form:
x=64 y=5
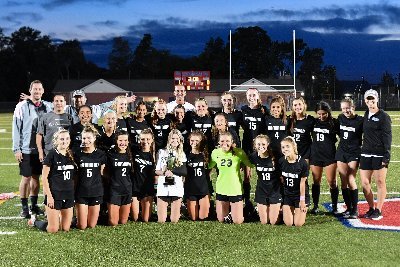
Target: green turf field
x=322 y=241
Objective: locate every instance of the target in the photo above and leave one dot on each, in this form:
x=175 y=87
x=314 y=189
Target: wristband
x=302 y=198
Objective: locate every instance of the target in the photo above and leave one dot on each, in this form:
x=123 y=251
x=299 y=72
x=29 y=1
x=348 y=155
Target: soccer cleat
x=25 y=214
x=377 y=215
x=369 y=213
x=335 y=211
x=31 y=221
x=36 y=210
x=228 y=218
x=353 y=215
x=315 y=210
x=345 y=214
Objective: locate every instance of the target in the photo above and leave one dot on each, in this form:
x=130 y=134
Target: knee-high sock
x=246 y=191
x=354 y=199
x=315 y=190
x=334 y=197
x=346 y=198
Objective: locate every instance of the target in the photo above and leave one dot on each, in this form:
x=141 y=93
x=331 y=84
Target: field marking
x=9 y=164
x=3 y=131
x=11 y=218
x=11 y=148
x=7 y=233
x=5 y=138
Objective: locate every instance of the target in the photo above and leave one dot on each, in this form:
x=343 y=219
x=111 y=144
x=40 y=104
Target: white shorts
x=175 y=190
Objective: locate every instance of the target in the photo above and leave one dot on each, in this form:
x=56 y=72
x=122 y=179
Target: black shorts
x=346 y=157
x=61 y=204
x=90 y=201
x=226 y=198
x=267 y=200
x=120 y=200
x=320 y=163
x=371 y=163
x=30 y=165
x=168 y=199
x=294 y=201
x=194 y=198
x=140 y=195
x=306 y=154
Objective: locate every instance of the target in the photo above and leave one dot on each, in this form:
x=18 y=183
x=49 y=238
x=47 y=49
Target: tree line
x=27 y=54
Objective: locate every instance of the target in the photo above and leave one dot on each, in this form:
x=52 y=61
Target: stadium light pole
x=230 y=59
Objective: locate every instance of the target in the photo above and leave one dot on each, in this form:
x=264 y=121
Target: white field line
x=8 y=164
x=11 y=218
x=5 y=138
x=20 y=205
x=7 y=233
x=9 y=148
x=3 y=131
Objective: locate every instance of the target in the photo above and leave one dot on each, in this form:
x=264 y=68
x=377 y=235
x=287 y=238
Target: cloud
x=53 y=4
x=107 y=23
x=18 y=18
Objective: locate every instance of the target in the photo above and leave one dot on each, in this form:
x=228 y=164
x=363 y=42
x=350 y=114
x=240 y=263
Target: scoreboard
x=193 y=80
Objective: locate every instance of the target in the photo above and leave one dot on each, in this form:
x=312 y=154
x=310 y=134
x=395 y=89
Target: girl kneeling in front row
x=294 y=176
x=268 y=195
x=58 y=185
x=118 y=171
x=227 y=159
x=171 y=170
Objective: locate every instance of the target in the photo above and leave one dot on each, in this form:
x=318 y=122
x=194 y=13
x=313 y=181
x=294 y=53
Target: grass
x=322 y=241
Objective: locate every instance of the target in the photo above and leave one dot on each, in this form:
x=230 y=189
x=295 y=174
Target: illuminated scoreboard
x=193 y=80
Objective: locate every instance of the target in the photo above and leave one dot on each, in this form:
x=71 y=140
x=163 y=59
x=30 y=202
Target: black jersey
x=119 y=168
x=196 y=181
x=105 y=142
x=268 y=175
x=143 y=173
x=134 y=129
x=203 y=124
x=121 y=125
x=75 y=131
x=292 y=174
x=276 y=131
x=235 y=120
x=350 y=134
x=253 y=124
x=60 y=178
x=323 y=147
x=301 y=131
x=161 y=130
x=89 y=178
x=377 y=131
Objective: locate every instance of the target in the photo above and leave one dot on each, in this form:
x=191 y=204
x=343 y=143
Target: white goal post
x=291 y=86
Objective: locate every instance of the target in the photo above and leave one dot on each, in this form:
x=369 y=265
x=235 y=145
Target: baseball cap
x=78 y=93
x=371 y=92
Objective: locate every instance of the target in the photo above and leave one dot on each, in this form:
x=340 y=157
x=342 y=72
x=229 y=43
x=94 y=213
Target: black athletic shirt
x=119 y=169
x=276 y=131
x=253 y=124
x=105 y=142
x=161 y=130
x=89 y=179
x=134 y=130
x=292 y=174
x=268 y=173
x=377 y=135
x=143 y=173
x=323 y=147
x=235 y=120
x=121 y=125
x=75 y=131
x=196 y=181
x=302 y=130
x=61 y=176
x=350 y=134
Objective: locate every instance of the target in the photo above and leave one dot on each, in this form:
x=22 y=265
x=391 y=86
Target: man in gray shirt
x=49 y=124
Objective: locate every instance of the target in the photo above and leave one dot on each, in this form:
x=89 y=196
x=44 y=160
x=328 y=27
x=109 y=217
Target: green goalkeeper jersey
x=229 y=180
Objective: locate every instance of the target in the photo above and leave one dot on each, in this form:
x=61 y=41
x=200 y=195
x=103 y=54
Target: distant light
x=302 y=93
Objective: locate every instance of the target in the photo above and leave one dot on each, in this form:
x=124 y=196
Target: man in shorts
x=24 y=127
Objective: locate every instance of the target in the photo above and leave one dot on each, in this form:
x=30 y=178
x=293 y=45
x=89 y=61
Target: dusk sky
x=361 y=38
